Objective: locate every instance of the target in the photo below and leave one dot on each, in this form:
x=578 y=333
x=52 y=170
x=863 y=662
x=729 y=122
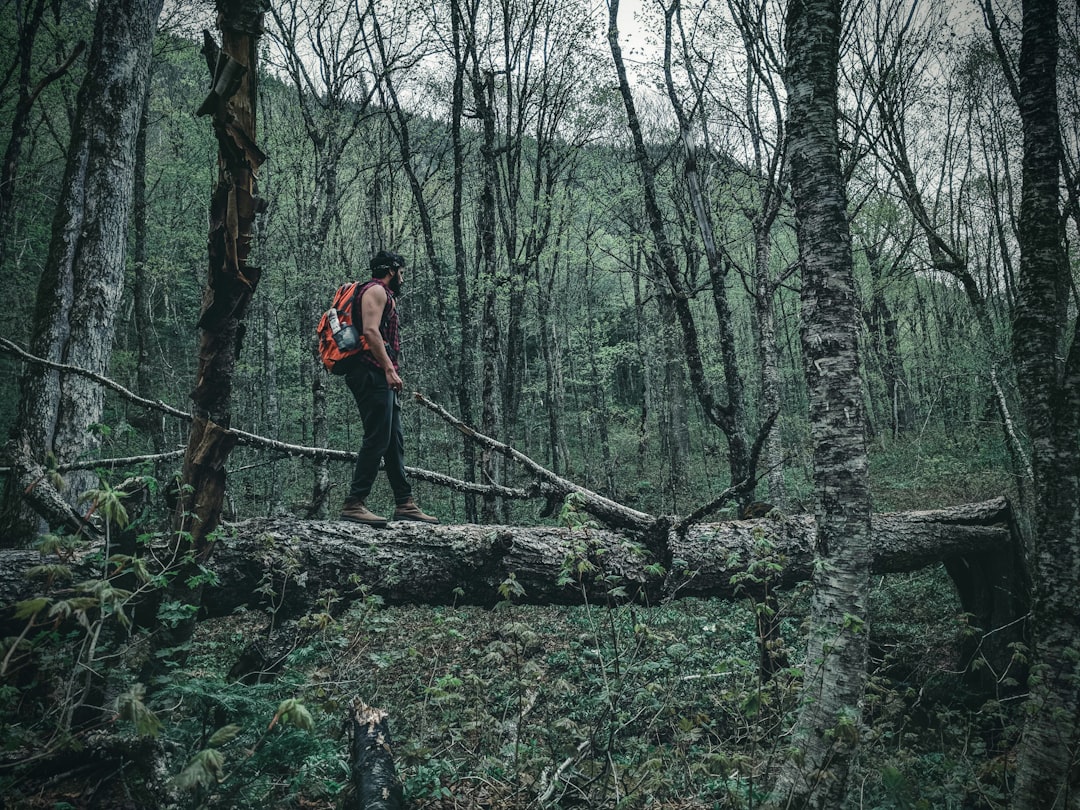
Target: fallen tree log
x=290 y=566
x=285 y=563
x=410 y=563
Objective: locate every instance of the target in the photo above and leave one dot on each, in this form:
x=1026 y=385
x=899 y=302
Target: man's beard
x=394 y=283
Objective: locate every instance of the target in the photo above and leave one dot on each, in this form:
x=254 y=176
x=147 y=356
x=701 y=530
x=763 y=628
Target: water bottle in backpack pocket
x=345 y=335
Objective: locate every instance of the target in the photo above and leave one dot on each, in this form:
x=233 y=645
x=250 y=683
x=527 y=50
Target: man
x=372 y=376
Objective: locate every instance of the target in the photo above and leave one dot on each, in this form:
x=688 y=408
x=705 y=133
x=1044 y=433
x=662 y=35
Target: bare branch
x=595 y=504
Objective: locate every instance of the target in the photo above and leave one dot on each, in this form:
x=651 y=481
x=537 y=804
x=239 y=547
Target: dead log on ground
x=374 y=777
x=421 y=564
x=412 y=563
x=289 y=566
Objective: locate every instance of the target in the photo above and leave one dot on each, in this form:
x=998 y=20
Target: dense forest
x=741 y=368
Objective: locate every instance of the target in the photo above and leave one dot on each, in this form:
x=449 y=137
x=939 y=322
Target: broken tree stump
x=374 y=776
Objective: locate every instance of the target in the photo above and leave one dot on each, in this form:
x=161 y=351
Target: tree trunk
x=768 y=167
x=28 y=24
x=828 y=727
x=232 y=280
x=466 y=309
x=80 y=288
x=272 y=497
x=549 y=348
x=142 y=290
x=1048 y=371
x=723 y=416
x=771 y=385
x=483 y=84
x=231 y=283
x=734 y=423
x=320 y=428
x=669 y=398
x=883 y=328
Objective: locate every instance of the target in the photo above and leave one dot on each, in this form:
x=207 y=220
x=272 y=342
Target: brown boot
x=410 y=511
x=355 y=511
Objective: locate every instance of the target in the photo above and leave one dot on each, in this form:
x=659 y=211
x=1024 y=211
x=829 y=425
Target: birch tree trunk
x=1047 y=356
x=827 y=730
x=81 y=285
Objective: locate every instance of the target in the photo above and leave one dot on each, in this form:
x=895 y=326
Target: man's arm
x=372 y=304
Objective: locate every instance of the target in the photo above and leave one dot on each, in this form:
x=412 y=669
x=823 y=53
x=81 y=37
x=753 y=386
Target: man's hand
x=393 y=380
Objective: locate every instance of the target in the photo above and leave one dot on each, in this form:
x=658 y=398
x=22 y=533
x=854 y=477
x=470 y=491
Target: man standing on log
x=372 y=376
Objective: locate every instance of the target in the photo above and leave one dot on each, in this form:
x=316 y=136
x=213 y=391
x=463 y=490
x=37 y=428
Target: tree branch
x=605 y=509
x=252 y=440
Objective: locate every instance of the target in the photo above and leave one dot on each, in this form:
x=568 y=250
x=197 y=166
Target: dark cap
x=384 y=261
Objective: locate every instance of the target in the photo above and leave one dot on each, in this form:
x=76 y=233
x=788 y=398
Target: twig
x=703 y=511
x=573 y=759
x=111 y=462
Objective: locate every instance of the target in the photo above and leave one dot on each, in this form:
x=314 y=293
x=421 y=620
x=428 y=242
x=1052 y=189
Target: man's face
x=394 y=282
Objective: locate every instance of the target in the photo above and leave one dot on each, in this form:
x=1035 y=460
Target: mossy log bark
x=421 y=564
x=413 y=563
x=288 y=565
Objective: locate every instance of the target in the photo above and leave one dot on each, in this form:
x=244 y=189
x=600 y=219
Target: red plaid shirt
x=388 y=326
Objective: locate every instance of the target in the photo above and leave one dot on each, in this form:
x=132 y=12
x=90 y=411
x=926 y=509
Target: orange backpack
x=338 y=336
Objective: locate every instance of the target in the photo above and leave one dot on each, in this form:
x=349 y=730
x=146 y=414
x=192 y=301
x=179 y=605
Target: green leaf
x=130 y=706
x=205 y=769
x=224 y=735
x=752 y=705
x=29 y=608
x=510 y=588
x=295 y=713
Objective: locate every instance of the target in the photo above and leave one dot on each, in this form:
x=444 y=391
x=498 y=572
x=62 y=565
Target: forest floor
x=592 y=707
x=624 y=707
x=596 y=706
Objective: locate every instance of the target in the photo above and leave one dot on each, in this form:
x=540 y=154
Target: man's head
x=388 y=266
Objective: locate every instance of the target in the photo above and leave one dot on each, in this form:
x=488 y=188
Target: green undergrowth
x=932 y=469
x=524 y=706
x=625 y=707
x=516 y=706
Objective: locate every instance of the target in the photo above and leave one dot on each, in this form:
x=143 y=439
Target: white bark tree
x=83 y=280
x=826 y=734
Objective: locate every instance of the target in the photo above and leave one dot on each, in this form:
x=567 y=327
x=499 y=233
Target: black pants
x=383 y=441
